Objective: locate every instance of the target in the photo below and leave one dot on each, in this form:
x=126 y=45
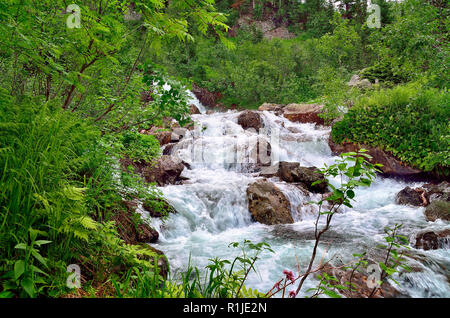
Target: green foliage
x=221 y=279
x=96 y=69
x=26 y=277
x=415 y=44
x=138 y=146
x=411 y=121
x=385 y=72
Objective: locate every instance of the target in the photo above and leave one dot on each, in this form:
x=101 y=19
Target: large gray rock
x=409 y=196
x=177 y=134
x=267 y=204
x=432 y=240
x=438 y=209
x=357 y=81
x=439 y=191
x=293 y=172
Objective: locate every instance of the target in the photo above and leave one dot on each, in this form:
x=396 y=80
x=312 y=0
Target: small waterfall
x=213 y=207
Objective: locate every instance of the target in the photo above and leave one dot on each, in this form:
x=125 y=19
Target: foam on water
x=212 y=207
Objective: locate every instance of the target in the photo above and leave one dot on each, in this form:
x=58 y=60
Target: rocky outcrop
x=439 y=191
x=391 y=166
x=138 y=234
x=158 y=207
x=277 y=108
x=360 y=288
x=167 y=170
x=193 y=110
x=434 y=196
x=267 y=204
x=250 y=119
x=301 y=113
x=413 y=197
x=357 y=81
x=161 y=134
x=268 y=27
x=306 y=176
x=438 y=209
x=432 y=240
x=127 y=228
x=304 y=113
x=205 y=97
x=178 y=134
x=168 y=148
x=280 y=33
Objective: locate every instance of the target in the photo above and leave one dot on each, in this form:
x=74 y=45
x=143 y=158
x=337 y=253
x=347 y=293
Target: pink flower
x=289 y=275
x=292 y=294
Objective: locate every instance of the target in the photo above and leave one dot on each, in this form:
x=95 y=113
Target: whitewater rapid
x=212 y=208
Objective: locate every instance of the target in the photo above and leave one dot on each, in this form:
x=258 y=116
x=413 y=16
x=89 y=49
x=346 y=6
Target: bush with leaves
x=410 y=121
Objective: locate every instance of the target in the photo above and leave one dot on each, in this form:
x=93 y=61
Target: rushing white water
x=212 y=208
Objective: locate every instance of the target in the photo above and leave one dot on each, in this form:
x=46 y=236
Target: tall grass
x=41 y=155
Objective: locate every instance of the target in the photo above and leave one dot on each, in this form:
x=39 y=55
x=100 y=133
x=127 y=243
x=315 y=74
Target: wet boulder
x=193 y=110
x=412 y=197
x=177 y=134
x=432 y=240
x=250 y=119
x=438 y=209
x=168 y=148
x=439 y=191
x=304 y=113
x=267 y=204
x=167 y=170
x=294 y=173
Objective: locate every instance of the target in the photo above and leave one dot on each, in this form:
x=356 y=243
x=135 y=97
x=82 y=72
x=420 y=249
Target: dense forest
x=85 y=109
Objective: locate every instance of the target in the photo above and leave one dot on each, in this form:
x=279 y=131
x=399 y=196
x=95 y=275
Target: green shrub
x=411 y=121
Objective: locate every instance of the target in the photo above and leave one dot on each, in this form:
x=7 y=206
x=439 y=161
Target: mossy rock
x=438 y=209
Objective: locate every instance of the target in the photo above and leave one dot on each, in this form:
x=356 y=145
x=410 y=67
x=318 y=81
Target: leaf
x=331 y=293
x=19 y=269
x=42 y=242
x=21 y=246
x=6 y=294
x=350 y=194
x=39 y=257
x=28 y=286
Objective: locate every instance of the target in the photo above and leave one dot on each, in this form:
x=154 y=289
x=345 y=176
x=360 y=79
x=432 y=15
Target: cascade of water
x=213 y=207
